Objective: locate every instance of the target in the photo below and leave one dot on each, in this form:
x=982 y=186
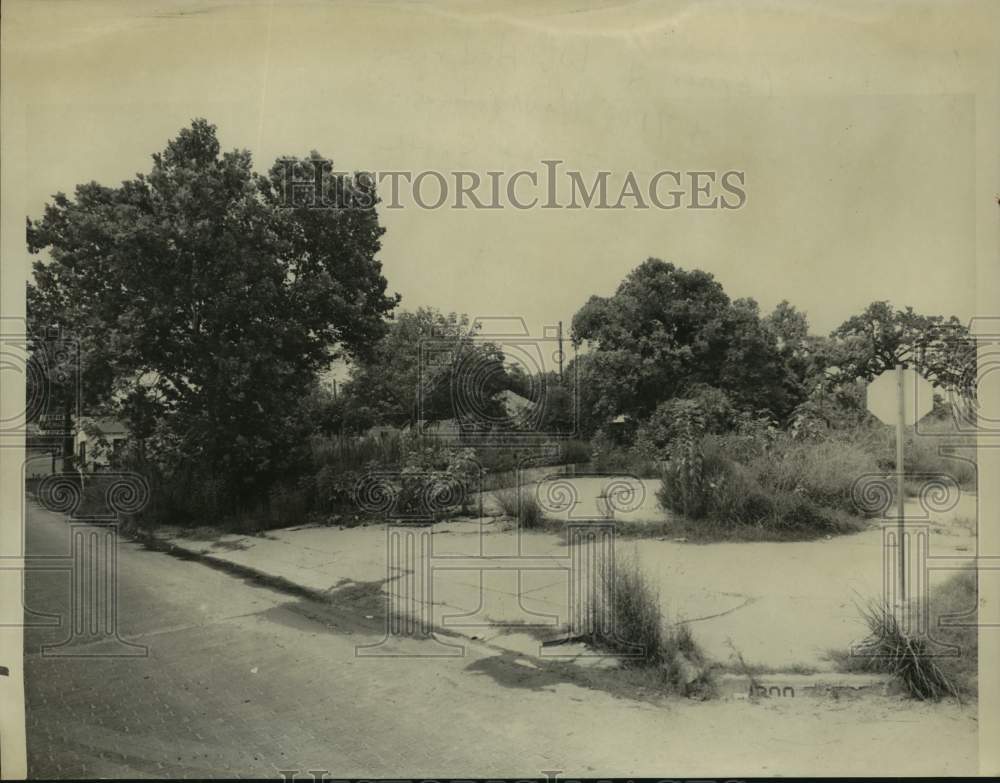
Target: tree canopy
x=882 y=337
x=665 y=329
x=206 y=302
x=429 y=366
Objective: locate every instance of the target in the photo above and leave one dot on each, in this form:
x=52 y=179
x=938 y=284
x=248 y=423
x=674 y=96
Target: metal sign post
x=900 y=488
x=900 y=398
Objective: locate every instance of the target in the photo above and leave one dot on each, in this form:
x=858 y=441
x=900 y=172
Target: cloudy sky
x=857 y=127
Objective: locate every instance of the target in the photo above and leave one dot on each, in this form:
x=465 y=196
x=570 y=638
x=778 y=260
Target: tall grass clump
x=626 y=619
x=924 y=669
x=520 y=504
x=347 y=453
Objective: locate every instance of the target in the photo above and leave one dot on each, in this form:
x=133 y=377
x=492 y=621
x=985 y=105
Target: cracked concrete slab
x=780 y=604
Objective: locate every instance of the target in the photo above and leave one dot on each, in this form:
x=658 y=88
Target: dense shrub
x=574 y=452
x=831 y=406
x=735 y=496
x=507 y=457
x=347 y=453
x=927 y=452
x=657 y=434
x=609 y=455
x=823 y=472
x=626 y=615
x=431 y=480
x=780 y=489
x=334 y=488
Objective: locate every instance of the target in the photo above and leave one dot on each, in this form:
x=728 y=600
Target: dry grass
x=824 y=471
x=626 y=618
x=925 y=669
x=891 y=650
x=521 y=505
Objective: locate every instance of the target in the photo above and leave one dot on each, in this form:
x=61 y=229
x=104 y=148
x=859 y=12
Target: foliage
x=925 y=452
x=830 y=405
x=666 y=328
x=574 y=452
x=657 y=433
x=430 y=366
x=781 y=486
x=558 y=413
x=608 y=456
x=880 y=338
x=331 y=414
x=582 y=371
x=208 y=304
x=823 y=472
x=624 y=460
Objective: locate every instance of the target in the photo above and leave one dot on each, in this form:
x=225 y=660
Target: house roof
x=515 y=402
x=104 y=426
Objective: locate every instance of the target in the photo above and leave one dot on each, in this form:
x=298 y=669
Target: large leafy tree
x=666 y=329
x=649 y=338
x=756 y=371
x=881 y=337
x=803 y=354
x=206 y=303
x=430 y=366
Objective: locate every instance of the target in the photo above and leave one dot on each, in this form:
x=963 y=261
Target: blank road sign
x=883 y=400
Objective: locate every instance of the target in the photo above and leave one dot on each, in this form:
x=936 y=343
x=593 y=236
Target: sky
x=855 y=127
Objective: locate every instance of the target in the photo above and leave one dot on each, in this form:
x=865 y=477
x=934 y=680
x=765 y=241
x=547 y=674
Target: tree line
x=207 y=306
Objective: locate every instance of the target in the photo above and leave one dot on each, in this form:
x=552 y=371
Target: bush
x=573 y=452
x=288 y=505
x=925 y=451
x=521 y=505
x=334 y=488
x=928 y=454
x=347 y=453
x=738 y=498
x=781 y=489
x=824 y=472
x=656 y=435
x=795 y=513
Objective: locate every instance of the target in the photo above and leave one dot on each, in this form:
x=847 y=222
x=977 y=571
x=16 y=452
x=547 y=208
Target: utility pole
x=560 y=353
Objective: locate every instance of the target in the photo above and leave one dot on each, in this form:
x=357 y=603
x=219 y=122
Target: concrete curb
x=170 y=547
x=778 y=686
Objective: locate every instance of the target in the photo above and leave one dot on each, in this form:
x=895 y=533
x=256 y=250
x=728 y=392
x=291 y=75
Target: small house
x=99 y=443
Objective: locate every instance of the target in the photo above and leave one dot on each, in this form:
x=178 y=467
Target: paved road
x=242 y=679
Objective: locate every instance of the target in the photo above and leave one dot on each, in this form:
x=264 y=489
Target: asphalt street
x=216 y=676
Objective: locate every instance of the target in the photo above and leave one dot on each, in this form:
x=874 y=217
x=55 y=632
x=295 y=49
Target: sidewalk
x=783 y=606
